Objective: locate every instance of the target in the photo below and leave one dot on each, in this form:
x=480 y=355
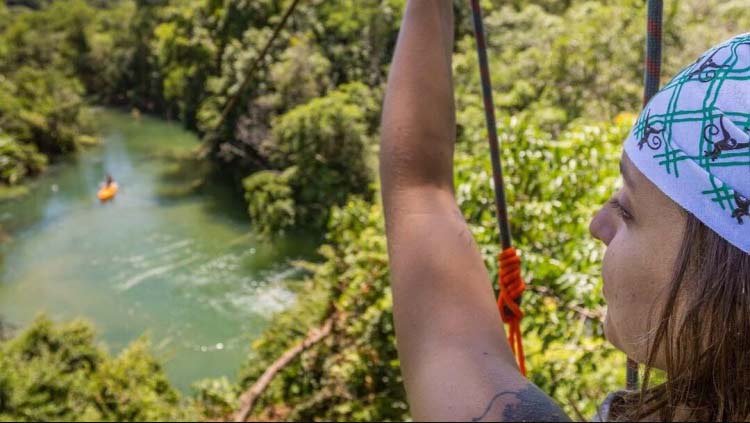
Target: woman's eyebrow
x=626 y=176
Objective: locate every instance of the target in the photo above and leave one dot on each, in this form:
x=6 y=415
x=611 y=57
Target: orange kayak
x=107 y=193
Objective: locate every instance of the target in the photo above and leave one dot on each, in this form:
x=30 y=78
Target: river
x=179 y=265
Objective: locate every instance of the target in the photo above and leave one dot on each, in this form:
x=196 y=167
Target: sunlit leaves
x=57 y=372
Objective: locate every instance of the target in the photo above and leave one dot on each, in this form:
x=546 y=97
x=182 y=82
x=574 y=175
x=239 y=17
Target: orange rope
x=511 y=288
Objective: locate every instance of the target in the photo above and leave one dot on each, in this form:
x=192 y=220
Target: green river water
x=184 y=269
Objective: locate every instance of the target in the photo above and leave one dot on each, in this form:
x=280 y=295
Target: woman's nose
x=601 y=227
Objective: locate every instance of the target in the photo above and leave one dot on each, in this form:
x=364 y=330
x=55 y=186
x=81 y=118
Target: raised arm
x=455 y=360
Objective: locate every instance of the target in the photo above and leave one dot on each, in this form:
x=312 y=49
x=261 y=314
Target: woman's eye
x=620 y=209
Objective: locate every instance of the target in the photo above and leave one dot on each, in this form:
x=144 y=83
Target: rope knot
x=511 y=285
x=511 y=289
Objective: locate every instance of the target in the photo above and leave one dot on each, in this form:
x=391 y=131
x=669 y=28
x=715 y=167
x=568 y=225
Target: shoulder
x=603 y=413
x=527 y=403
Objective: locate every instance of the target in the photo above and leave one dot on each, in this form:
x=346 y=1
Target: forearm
x=418 y=122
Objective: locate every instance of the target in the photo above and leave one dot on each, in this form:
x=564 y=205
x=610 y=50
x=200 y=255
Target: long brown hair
x=703 y=334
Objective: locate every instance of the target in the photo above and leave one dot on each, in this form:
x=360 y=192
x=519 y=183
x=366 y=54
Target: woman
x=676 y=271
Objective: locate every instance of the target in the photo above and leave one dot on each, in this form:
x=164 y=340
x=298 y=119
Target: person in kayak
x=676 y=270
x=108 y=190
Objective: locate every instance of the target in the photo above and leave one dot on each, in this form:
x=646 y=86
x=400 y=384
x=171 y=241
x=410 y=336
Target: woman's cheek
x=610 y=291
x=624 y=280
x=614 y=269
x=637 y=277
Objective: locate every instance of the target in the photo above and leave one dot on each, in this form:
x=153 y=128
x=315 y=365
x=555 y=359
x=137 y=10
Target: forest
x=292 y=131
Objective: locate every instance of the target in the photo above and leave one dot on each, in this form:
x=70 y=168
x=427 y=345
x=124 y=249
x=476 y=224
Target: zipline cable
x=651 y=76
x=509 y=273
x=489 y=114
x=652 y=70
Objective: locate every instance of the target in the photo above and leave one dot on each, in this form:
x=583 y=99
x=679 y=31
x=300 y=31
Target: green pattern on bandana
x=692 y=140
x=704 y=71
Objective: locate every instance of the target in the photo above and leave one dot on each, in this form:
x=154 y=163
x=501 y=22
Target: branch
x=247 y=400
x=248 y=75
x=593 y=314
x=575 y=408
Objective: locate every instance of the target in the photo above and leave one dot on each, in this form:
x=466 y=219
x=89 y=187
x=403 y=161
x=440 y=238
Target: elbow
x=411 y=158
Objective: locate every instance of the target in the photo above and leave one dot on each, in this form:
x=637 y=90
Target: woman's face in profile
x=642 y=229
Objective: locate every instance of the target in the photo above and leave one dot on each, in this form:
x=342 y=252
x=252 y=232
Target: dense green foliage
x=354 y=373
x=301 y=145
x=185 y=59
x=56 y=372
x=322 y=145
x=303 y=110
x=42 y=111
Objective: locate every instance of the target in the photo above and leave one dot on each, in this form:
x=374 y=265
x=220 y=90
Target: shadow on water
x=173 y=255
x=185 y=177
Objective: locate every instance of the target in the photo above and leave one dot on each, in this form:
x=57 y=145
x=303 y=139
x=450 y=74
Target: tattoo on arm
x=527 y=404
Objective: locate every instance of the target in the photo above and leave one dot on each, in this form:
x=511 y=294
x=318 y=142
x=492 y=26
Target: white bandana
x=692 y=140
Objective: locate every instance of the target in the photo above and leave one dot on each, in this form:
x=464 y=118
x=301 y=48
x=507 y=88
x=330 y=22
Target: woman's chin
x=610 y=333
x=614 y=337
